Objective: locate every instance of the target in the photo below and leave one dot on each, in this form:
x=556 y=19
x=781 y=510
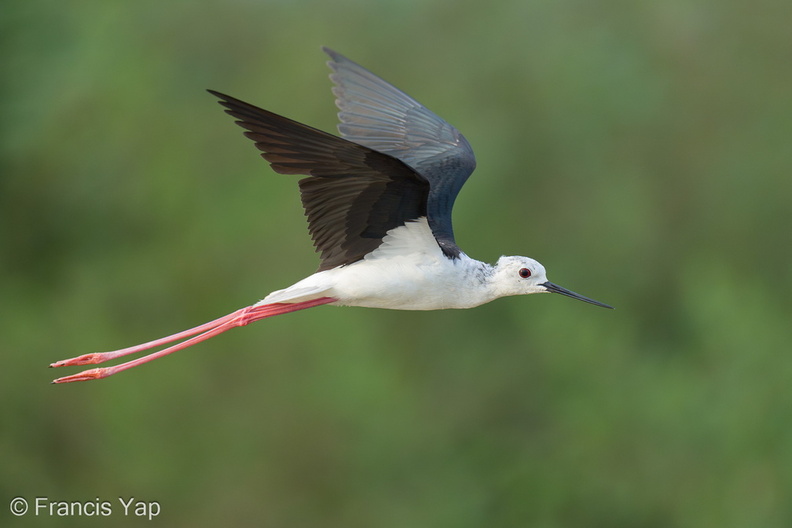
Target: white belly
x=403 y=285
x=407 y=272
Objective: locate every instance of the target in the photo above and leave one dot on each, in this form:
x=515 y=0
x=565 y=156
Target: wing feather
x=376 y=114
x=353 y=195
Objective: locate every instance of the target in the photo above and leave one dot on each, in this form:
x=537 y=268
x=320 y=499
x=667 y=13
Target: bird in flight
x=378 y=201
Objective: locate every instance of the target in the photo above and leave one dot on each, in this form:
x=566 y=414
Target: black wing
x=353 y=196
x=378 y=115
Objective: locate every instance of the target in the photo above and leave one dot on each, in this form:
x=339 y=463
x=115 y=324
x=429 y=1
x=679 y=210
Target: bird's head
x=524 y=275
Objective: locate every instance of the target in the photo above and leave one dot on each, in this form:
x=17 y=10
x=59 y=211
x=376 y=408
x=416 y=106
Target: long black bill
x=555 y=288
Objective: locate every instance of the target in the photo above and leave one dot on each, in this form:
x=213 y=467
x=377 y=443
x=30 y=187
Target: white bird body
x=378 y=202
x=409 y=272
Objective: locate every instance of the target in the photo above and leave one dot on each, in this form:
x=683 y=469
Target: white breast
x=407 y=272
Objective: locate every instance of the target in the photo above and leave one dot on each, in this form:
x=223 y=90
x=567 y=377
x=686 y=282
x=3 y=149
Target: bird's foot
x=85 y=359
x=86 y=375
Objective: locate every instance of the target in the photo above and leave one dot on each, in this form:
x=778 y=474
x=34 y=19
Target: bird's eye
x=525 y=273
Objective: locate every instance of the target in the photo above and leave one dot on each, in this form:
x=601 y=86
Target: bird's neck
x=476 y=278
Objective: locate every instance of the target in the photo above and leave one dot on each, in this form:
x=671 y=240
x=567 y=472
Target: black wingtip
x=232 y=104
x=335 y=58
x=217 y=94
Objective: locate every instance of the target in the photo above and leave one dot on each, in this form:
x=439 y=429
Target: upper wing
x=376 y=114
x=353 y=195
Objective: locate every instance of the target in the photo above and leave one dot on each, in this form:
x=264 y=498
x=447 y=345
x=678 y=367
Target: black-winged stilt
x=378 y=204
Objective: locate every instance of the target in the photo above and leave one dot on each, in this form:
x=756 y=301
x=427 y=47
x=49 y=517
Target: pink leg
x=205 y=331
x=100 y=357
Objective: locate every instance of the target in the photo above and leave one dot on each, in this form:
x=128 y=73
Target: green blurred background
x=641 y=151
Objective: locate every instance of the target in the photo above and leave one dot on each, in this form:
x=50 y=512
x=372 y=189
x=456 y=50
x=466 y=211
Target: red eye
x=525 y=273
